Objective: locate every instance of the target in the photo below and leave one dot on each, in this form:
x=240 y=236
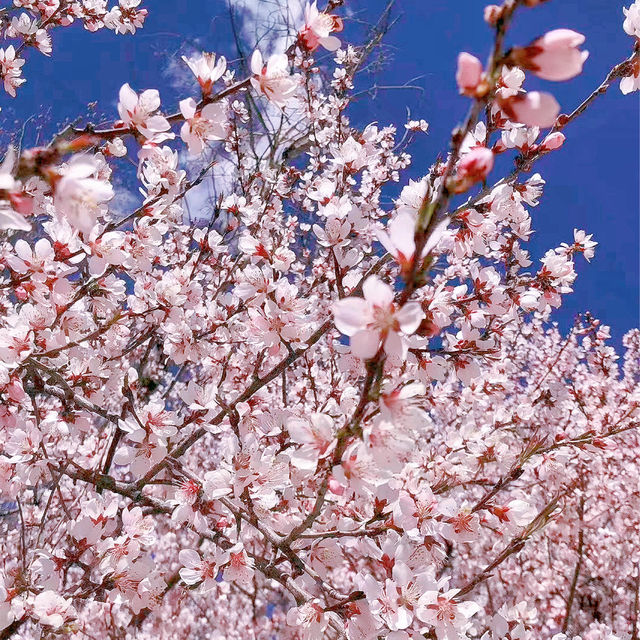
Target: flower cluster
x=29 y=22
x=317 y=405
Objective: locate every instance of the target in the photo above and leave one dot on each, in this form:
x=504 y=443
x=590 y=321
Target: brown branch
x=429 y=212
x=342 y=439
x=576 y=571
x=515 y=546
x=115 y=132
x=257 y=384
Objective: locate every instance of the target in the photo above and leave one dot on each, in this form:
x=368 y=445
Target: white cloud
x=179 y=76
x=123 y=202
x=201 y=200
x=269 y=25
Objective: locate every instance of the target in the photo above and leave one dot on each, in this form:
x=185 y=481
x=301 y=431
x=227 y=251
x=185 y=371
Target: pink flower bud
x=477 y=163
x=553 y=141
x=492 y=13
x=499 y=147
x=469 y=74
x=533 y=109
x=473 y=167
x=555 y=56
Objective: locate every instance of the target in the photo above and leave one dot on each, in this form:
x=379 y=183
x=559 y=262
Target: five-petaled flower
x=139 y=111
x=318 y=27
x=201 y=126
x=273 y=79
x=79 y=195
x=375 y=320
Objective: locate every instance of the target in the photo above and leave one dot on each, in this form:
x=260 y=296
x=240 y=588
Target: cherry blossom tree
x=304 y=412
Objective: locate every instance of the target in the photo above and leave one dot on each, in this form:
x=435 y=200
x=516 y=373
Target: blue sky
x=592 y=182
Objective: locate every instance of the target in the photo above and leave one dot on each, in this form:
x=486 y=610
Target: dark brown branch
x=576 y=571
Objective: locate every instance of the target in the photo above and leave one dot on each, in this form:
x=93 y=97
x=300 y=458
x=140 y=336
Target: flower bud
x=499 y=147
x=469 y=74
x=473 y=167
x=492 y=13
x=553 y=141
x=533 y=109
x=555 y=56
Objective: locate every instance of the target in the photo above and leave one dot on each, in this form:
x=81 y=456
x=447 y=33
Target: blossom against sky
x=595 y=174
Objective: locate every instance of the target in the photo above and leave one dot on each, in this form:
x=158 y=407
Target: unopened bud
x=469 y=74
x=555 y=56
x=492 y=13
x=553 y=141
x=533 y=109
x=473 y=167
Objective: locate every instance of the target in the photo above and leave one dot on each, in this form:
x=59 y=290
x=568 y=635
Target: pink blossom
x=417 y=125
x=335 y=231
x=533 y=109
x=473 y=167
x=138 y=111
x=202 y=572
x=553 y=141
x=318 y=27
x=207 y=124
x=79 y=196
x=11 y=608
x=397 y=602
x=631 y=83
x=11 y=70
x=217 y=483
x=517 y=136
x=582 y=243
x=138 y=526
x=402 y=405
x=239 y=568
x=37 y=260
x=96 y=519
x=310 y=618
x=206 y=70
x=273 y=79
x=469 y=74
x=316 y=437
x=399 y=238
x=631 y=23
x=52 y=609
x=376 y=319
x=9 y=217
x=144 y=450
x=492 y=13
x=554 y=56
x=125 y=17
x=448 y=617
x=351 y=155
x=23 y=27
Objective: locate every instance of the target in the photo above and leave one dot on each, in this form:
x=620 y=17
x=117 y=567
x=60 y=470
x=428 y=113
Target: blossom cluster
x=28 y=24
x=326 y=406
